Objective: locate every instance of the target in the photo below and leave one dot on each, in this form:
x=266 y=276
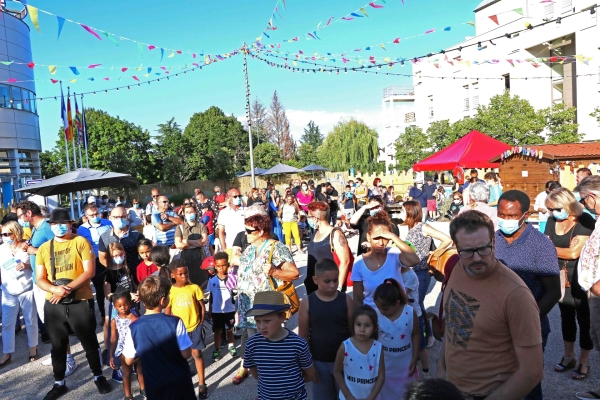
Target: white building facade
x=398 y=112
x=454 y=98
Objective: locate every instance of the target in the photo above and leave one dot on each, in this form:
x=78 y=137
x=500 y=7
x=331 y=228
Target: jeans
x=326 y=389
x=424 y=280
x=10 y=313
x=80 y=316
x=536 y=392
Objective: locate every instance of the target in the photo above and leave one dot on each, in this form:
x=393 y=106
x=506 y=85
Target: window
x=466 y=104
x=33 y=103
x=430 y=106
x=409 y=117
x=26 y=100
x=567 y=5
x=17 y=101
x=24 y=154
x=475 y=103
x=549 y=11
x=557 y=92
x=3 y=153
x=506 y=81
x=4 y=96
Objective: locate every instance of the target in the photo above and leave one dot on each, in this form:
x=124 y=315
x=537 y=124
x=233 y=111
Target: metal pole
x=84 y=127
x=66 y=147
x=74 y=152
x=249 y=120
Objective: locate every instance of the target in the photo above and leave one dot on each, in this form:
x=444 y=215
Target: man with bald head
x=231 y=219
x=165 y=222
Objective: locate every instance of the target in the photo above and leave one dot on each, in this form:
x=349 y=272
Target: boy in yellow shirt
x=185 y=301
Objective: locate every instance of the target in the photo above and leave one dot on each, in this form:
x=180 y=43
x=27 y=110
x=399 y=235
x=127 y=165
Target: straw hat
x=268 y=303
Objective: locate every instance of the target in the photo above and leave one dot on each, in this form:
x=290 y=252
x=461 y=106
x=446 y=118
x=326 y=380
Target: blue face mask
x=311 y=222
x=136 y=205
x=119 y=260
x=236 y=201
x=24 y=224
x=95 y=220
x=119 y=223
x=60 y=230
x=509 y=226
x=562 y=215
x=9 y=242
x=190 y=217
x=374 y=212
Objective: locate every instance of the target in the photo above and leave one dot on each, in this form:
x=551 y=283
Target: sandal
x=239 y=377
x=580 y=395
x=560 y=367
x=203 y=394
x=578 y=375
x=34 y=357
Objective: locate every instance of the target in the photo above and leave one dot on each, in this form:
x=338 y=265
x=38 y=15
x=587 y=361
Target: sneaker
x=71 y=367
x=430 y=342
x=426 y=375
x=117 y=375
x=103 y=385
x=216 y=355
x=45 y=337
x=233 y=352
x=56 y=392
x=143 y=394
x=203 y=394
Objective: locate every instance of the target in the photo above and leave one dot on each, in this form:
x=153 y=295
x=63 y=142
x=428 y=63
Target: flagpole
x=85 y=136
x=63 y=115
x=252 y=174
x=79 y=132
x=73 y=140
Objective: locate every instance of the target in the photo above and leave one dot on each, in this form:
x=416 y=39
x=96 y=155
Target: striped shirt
x=165 y=238
x=279 y=365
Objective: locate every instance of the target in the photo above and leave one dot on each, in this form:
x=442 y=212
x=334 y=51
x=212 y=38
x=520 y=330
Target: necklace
x=564 y=226
x=376 y=259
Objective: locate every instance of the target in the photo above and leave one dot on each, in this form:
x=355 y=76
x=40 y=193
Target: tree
x=307 y=154
x=259 y=117
x=267 y=155
x=114 y=145
x=312 y=135
x=560 y=123
x=174 y=151
x=596 y=114
x=217 y=145
x=350 y=144
x=411 y=147
x=51 y=163
x=279 y=128
x=511 y=120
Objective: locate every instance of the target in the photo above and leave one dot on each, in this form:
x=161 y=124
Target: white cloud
x=326 y=120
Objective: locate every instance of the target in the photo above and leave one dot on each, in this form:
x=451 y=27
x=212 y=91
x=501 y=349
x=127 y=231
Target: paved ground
x=24 y=380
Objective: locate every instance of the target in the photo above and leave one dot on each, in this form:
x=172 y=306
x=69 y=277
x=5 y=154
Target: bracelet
x=339 y=288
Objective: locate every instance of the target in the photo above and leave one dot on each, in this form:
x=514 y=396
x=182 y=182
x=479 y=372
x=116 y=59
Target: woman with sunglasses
x=569 y=229
x=262 y=261
x=17 y=292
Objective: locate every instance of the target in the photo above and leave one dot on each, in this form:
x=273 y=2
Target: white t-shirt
x=220 y=296
x=540 y=202
x=411 y=285
x=234 y=223
x=372 y=279
x=183 y=340
x=148 y=232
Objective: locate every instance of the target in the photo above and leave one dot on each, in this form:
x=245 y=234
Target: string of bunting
x=34 y=16
x=360 y=12
x=129 y=87
x=369 y=69
x=270 y=26
x=526 y=151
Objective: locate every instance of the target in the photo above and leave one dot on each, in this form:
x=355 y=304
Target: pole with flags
x=79 y=130
x=85 y=133
x=63 y=115
x=74 y=140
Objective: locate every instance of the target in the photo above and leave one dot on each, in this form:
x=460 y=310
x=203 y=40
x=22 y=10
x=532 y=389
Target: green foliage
x=51 y=163
x=267 y=155
x=312 y=135
x=217 y=145
x=172 y=148
x=511 y=120
x=596 y=114
x=560 y=122
x=350 y=144
x=411 y=147
x=307 y=154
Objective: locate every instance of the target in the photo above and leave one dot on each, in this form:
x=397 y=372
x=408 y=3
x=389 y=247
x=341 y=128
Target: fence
x=400 y=180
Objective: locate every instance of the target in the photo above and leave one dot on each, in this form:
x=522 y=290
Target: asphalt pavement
x=24 y=380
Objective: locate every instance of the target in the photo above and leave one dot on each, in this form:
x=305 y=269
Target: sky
x=216 y=27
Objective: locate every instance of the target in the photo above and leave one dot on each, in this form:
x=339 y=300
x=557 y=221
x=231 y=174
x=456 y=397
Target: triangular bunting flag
x=90 y=30
x=494 y=18
x=33 y=14
x=52 y=69
x=518 y=11
x=61 y=22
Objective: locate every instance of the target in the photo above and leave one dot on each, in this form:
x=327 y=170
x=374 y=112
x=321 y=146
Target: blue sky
x=219 y=27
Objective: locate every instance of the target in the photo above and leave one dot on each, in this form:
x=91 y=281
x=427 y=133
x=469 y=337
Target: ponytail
x=389 y=293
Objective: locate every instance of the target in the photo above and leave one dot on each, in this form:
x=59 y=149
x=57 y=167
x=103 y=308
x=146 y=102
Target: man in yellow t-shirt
x=72 y=303
x=185 y=302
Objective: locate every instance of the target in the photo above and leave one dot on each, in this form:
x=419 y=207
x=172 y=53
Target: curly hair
x=319 y=209
x=261 y=223
x=380 y=219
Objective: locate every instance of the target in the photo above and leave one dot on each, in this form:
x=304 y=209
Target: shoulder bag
x=62 y=281
x=437 y=261
x=336 y=259
x=287 y=288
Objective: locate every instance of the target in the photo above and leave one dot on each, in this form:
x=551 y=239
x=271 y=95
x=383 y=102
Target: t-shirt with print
x=165 y=238
x=39 y=236
x=220 y=296
x=183 y=302
x=69 y=257
x=486 y=316
x=372 y=279
x=118 y=279
x=279 y=365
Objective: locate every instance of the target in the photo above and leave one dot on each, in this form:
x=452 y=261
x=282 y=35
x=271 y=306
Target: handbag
x=437 y=261
x=336 y=259
x=290 y=296
x=62 y=281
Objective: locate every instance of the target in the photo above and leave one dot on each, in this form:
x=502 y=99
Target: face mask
x=304 y=187
x=255 y=195
x=60 y=230
x=118 y=260
x=23 y=223
x=217 y=192
x=509 y=226
x=403 y=215
x=9 y=242
x=105 y=201
x=236 y=201
x=374 y=212
x=95 y=220
x=119 y=223
x=456 y=201
x=311 y=222
x=419 y=185
x=136 y=205
x=560 y=215
x=190 y=217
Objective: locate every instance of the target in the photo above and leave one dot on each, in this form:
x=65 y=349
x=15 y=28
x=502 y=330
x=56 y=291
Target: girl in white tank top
x=359 y=366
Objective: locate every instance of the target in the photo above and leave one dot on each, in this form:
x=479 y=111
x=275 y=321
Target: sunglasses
x=554 y=209
x=186 y=204
x=250 y=231
x=236 y=196
x=154 y=196
x=6 y=234
x=166 y=201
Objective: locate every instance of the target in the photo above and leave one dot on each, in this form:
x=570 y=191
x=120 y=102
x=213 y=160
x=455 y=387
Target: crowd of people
x=159 y=274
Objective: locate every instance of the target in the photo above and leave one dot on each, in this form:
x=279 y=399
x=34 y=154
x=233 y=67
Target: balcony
x=392 y=91
x=430 y=112
x=475 y=102
x=466 y=104
x=409 y=117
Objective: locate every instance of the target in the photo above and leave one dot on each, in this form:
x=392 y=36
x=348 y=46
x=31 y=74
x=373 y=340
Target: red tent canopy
x=471 y=151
